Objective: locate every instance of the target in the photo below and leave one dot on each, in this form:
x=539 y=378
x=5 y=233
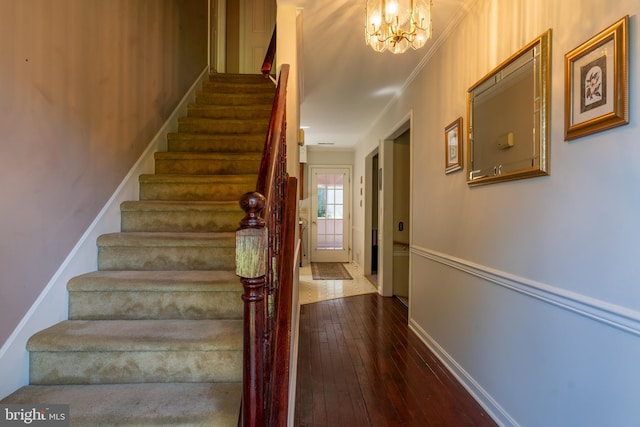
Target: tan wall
x=524 y=288
x=85 y=86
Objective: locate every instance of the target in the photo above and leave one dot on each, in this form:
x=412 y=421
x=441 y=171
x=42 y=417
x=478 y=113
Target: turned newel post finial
x=252 y=204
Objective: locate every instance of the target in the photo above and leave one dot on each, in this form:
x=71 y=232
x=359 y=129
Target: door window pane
x=330 y=199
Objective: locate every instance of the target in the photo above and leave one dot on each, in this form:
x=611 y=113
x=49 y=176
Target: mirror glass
x=508 y=116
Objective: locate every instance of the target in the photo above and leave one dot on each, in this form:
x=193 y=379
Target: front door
x=330 y=214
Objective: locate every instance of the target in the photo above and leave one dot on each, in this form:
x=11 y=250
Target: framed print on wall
x=453 y=146
x=596 y=83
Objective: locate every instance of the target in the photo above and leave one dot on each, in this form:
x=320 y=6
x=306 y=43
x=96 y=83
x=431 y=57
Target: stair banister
x=279 y=398
x=264 y=256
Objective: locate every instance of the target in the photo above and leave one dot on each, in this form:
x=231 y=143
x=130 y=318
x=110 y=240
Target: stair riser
x=202 y=221
x=194 y=192
x=88 y=367
x=131 y=305
x=211 y=126
x=166 y=258
x=218 y=112
x=237 y=144
x=206 y=167
x=233 y=99
x=238 y=87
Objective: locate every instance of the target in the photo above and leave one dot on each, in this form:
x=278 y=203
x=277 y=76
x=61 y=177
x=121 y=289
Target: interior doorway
x=372 y=183
x=401 y=215
x=375 y=188
x=387 y=216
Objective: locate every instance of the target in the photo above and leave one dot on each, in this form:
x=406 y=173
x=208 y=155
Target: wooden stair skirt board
x=154 y=336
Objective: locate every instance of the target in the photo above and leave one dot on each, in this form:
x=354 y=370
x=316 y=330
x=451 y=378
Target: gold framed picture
x=596 y=83
x=453 y=146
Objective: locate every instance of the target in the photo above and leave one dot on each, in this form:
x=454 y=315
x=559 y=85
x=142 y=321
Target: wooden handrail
x=265 y=252
x=272 y=146
x=267 y=65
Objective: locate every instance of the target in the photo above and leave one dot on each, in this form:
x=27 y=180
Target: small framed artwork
x=453 y=146
x=596 y=83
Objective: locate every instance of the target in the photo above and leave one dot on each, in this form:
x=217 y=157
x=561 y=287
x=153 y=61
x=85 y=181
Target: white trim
x=51 y=306
x=619 y=317
x=495 y=411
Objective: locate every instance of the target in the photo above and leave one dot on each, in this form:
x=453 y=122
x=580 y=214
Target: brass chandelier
x=397 y=25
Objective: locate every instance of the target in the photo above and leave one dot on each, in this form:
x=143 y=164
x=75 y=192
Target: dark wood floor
x=360 y=365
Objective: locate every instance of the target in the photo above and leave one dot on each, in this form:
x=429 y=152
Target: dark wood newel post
x=251 y=257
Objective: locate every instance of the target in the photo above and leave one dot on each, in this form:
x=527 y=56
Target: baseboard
x=495 y=411
x=51 y=306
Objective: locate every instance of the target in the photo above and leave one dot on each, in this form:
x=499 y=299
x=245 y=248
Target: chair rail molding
x=613 y=315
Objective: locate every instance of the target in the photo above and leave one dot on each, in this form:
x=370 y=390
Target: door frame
x=385 y=202
x=347 y=226
x=368 y=207
x=217 y=35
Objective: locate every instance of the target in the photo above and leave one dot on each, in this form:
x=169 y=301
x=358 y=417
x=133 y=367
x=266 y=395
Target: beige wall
x=528 y=290
x=85 y=86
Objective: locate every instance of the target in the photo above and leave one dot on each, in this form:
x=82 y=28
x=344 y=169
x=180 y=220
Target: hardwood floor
x=360 y=365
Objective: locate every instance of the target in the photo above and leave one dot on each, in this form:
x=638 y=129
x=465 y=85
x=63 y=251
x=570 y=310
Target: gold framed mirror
x=508 y=117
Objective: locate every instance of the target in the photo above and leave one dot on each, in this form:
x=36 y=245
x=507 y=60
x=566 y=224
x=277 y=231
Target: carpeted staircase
x=154 y=337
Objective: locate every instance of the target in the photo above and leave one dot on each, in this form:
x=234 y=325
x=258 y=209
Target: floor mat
x=329 y=271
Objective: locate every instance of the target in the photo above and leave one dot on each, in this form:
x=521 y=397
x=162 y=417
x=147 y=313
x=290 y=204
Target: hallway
x=359 y=365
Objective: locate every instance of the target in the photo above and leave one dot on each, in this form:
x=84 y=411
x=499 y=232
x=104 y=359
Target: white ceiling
x=345 y=85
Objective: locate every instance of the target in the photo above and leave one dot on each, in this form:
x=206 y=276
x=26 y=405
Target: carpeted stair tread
x=255 y=87
x=213 y=157
x=168 y=205
x=233 y=78
x=138 y=335
x=234 y=99
x=186 y=216
x=190 y=163
x=209 y=180
x=237 y=77
x=195 y=187
x=166 y=251
x=239 y=81
x=225 y=126
x=132 y=295
x=161 y=404
x=203 y=143
x=156 y=281
x=153 y=239
x=224 y=112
